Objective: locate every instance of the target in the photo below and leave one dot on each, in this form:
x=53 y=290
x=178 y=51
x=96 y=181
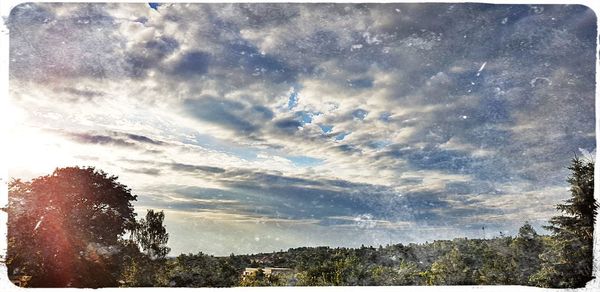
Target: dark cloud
x=263 y=111
x=146 y=171
x=432 y=157
x=162 y=46
x=258 y=65
x=87 y=138
x=288 y=126
x=177 y=167
x=112 y=138
x=192 y=63
x=266 y=15
x=195 y=168
x=227 y=113
x=348 y=149
x=143 y=139
x=288 y=197
x=148 y=55
x=87 y=94
x=361 y=83
x=296 y=198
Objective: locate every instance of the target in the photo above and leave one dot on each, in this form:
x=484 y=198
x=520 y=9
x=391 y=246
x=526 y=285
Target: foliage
x=526 y=247
x=65 y=228
x=567 y=261
x=498 y=265
x=202 y=270
x=151 y=235
x=450 y=269
x=139 y=270
x=406 y=273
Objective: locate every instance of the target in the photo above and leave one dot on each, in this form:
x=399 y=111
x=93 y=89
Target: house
x=267 y=271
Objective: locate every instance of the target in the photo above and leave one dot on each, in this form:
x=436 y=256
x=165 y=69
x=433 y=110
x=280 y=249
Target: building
x=267 y=271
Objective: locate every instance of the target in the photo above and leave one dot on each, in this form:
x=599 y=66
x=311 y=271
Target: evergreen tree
x=568 y=261
x=580 y=209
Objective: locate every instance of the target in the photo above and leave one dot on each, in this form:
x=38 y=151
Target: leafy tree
x=134 y=272
x=139 y=270
x=568 y=261
x=229 y=274
x=404 y=274
x=498 y=265
x=65 y=229
x=526 y=248
x=200 y=270
x=384 y=275
x=450 y=269
x=351 y=271
x=151 y=235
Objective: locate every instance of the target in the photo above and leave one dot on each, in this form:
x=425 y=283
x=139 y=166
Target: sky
x=261 y=127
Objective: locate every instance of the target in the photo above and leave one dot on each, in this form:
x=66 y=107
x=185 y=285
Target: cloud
x=272 y=195
x=423 y=116
x=194 y=168
x=192 y=63
x=45 y=45
x=289 y=126
x=111 y=138
x=232 y=115
x=98 y=139
x=146 y=171
x=143 y=139
x=86 y=94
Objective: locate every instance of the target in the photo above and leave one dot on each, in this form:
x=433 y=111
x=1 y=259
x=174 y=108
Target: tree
x=406 y=273
x=498 y=266
x=200 y=270
x=64 y=229
x=139 y=270
x=151 y=235
x=568 y=261
x=147 y=269
x=450 y=269
x=579 y=210
x=526 y=248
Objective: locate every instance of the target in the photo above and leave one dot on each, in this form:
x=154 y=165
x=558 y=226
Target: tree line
x=77 y=228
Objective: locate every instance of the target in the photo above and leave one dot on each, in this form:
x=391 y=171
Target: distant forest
x=77 y=228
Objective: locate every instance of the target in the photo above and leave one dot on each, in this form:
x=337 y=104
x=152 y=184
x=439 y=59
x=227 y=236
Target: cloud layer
x=310 y=124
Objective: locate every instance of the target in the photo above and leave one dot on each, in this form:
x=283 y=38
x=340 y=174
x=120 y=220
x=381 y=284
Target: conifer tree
x=568 y=261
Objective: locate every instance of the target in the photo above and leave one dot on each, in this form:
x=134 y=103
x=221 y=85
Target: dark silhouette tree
x=568 y=262
x=65 y=229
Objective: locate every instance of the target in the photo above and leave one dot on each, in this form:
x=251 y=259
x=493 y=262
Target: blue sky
x=260 y=127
